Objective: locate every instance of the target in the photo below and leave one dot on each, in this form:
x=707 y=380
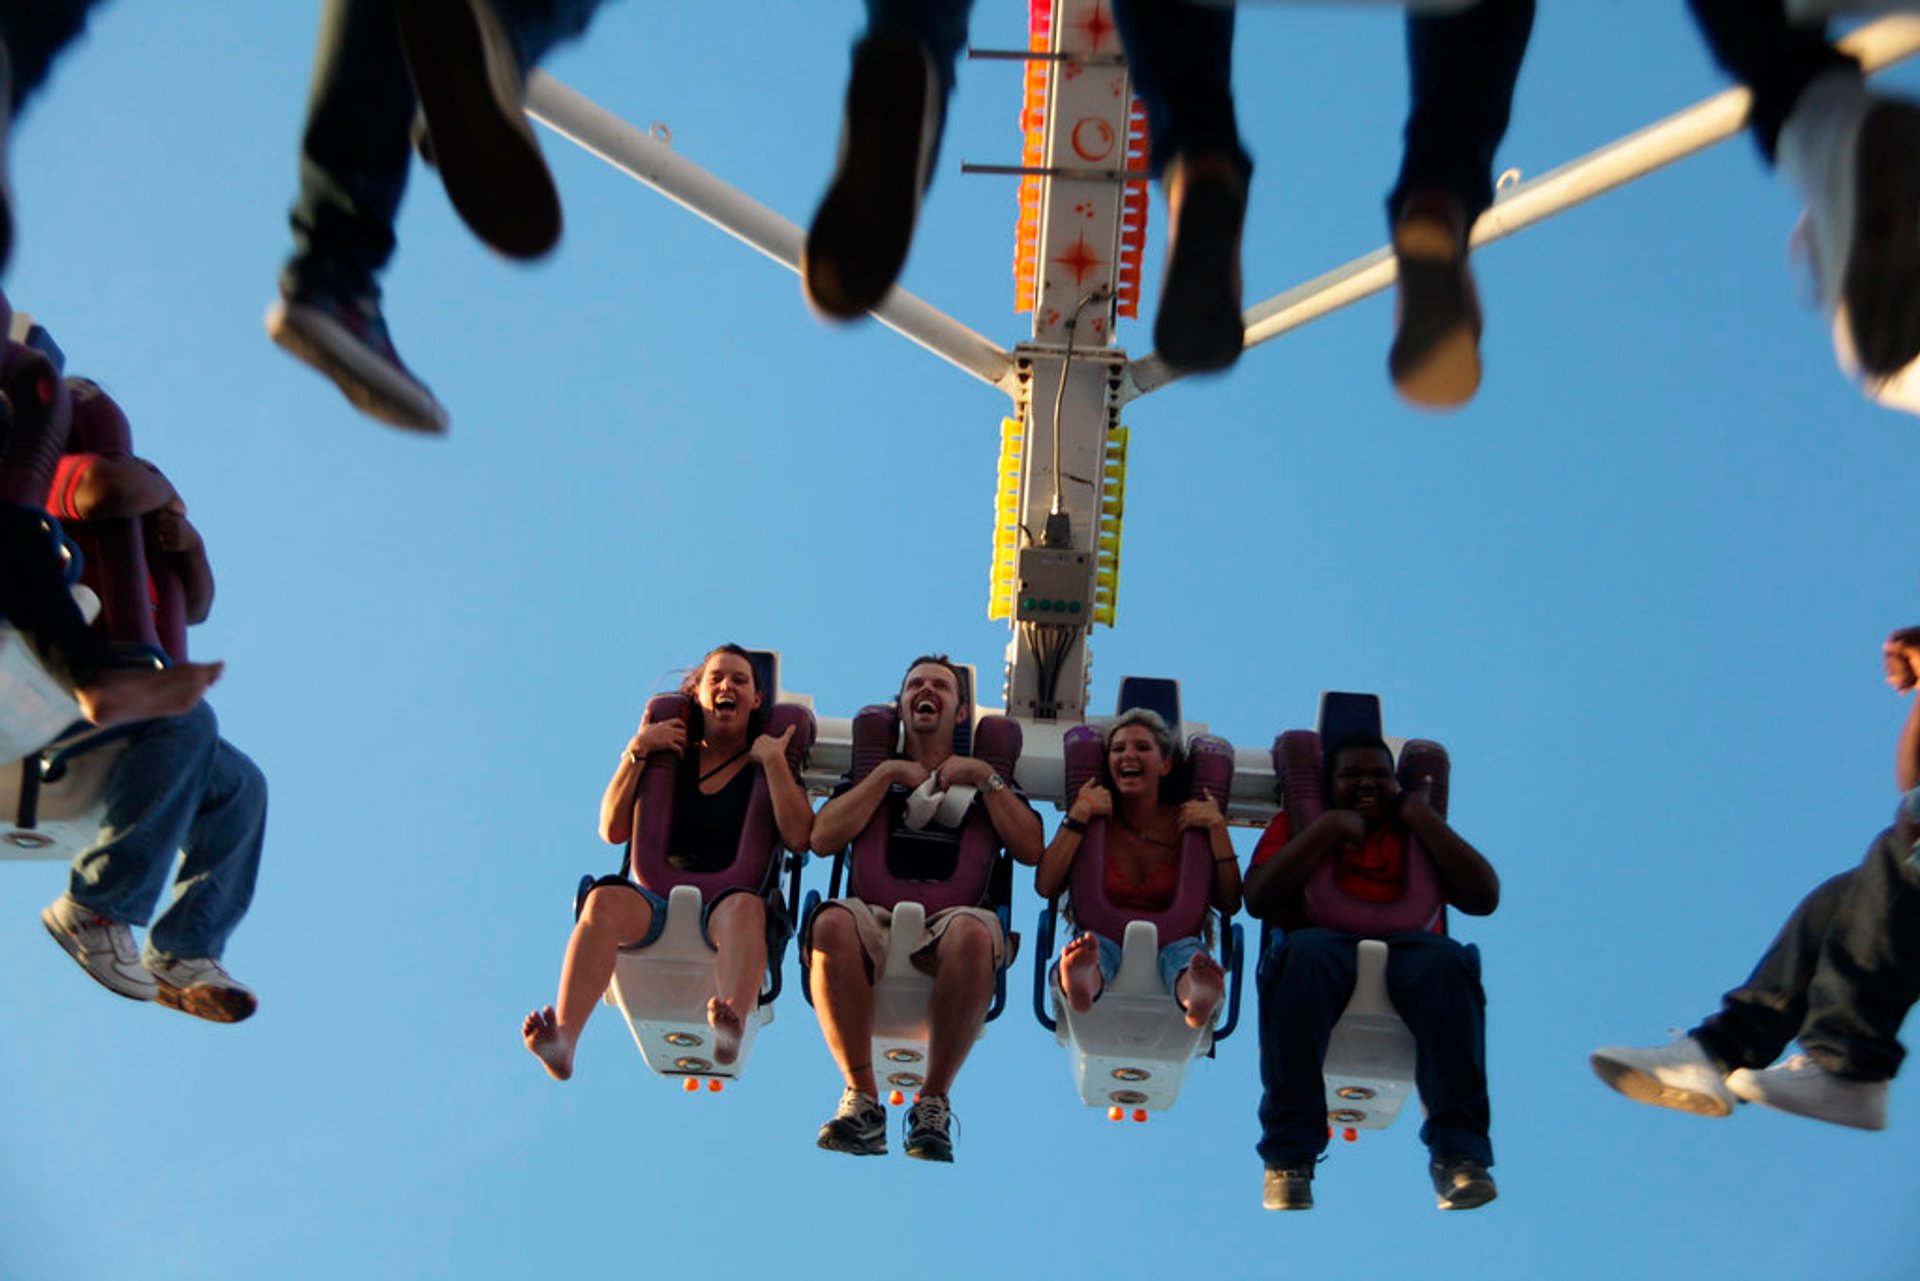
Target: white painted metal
x=1369 y=1062
x=663 y=990
x=650 y=160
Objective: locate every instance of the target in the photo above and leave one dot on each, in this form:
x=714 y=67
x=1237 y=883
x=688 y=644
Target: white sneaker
x=105 y=949
x=1804 y=1088
x=201 y=987
x=1855 y=159
x=1679 y=1075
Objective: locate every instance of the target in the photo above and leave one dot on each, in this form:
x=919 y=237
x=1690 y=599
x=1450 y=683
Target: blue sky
x=1638 y=588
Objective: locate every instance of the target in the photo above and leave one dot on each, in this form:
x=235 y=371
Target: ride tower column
x=1060 y=493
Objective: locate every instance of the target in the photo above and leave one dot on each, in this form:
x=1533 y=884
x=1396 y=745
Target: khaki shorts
x=875 y=926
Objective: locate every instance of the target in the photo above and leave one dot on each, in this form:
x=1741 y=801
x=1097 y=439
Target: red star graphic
x=1097 y=26
x=1080 y=260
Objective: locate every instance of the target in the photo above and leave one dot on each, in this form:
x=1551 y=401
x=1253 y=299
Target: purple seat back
x=755 y=860
x=876 y=731
x=1211 y=767
x=1299 y=764
x=42 y=417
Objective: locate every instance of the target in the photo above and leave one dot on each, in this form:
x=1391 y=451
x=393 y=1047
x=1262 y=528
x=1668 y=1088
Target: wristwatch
x=994 y=784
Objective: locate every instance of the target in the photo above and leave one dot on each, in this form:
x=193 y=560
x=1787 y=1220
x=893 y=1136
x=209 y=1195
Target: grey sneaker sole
x=214 y=1004
x=68 y=944
x=837 y=1137
x=1643 y=1087
x=468 y=82
x=369 y=383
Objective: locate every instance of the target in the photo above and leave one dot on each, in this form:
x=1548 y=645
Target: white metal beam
x=1660 y=144
x=649 y=160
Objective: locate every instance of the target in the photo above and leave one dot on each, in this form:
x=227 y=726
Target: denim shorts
x=1173 y=958
x=658 y=916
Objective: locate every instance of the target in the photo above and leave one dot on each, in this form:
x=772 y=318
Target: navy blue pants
x=1755 y=44
x=1305 y=980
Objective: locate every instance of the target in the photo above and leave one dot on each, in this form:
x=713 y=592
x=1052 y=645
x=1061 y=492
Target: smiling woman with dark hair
x=1142 y=864
x=713 y=788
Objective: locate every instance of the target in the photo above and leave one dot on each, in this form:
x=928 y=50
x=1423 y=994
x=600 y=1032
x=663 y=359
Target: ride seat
x=662 y=989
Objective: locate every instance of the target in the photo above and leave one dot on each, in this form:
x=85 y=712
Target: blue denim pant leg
x=1305 y=980
x=1868 y=974
x=1759 y=1019
x=1180 y=58
x=34 y=32
x=940 y=25
x=177 y=787
x=1461 y=71
x=354 y=152
x=1755 y=44
x=1434 y=984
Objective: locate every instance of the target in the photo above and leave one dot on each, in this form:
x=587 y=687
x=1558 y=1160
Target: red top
x=1154 y=894
x=1375 y=872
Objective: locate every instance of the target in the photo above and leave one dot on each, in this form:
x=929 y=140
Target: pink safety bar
x=1211 y=765
x=876 y=730
x=754 y=862
x=1299 y=763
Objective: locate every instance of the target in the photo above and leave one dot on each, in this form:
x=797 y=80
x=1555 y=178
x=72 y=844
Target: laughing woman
x=712 y=791
x=1143 y=865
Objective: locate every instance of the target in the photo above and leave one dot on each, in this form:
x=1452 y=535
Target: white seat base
x=1132 y=1049
x=662 y=990
x=1370 y=1056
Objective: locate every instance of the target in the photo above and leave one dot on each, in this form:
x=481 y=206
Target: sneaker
x=1855 y=158
x=466 y=75
x=1435 y=358
x=1680 y=1075
x=1804 y=1088
x=200 y=986
x=346 y=339
x=858 y=1128
x=928 y=1121
x=860 y=235
x=105 y=949
x=1199 y=328
x=1461 y=1183
x=1288 y=1189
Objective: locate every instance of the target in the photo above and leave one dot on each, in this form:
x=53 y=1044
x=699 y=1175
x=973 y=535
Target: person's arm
x=791 y=812
x=170 y=534
x=1056 y=864
x=1276 y=878
x=619 y=810
x=1205 y=813
x=1466 y=878
x=1014 y=821
x=1901 y=653
x=842 y=817
x=110 y=487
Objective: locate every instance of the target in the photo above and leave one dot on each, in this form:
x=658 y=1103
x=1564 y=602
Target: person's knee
x=835 y=937
x=967 y=944
x=613 y=907
x=738 y=914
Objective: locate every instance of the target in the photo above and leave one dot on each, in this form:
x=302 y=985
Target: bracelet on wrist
x=1072 y=824
x=630 y=756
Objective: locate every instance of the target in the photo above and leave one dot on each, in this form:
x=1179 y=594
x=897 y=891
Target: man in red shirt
x=1306 y=974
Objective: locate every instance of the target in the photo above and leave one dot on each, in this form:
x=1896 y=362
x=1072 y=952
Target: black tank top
x=706 y=829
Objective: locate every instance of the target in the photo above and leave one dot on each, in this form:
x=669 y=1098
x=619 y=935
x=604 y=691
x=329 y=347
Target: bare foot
x=1080 y=976
x=553 y=1047
x=727 y=1026
x=123 y=694
x=1205 y=983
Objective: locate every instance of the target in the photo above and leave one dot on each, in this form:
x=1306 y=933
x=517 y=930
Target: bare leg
x=123 y=694
x=1199 y=989
x=738 y=927
x=612 y=916
x=962 y=991
x=1080 y=977
x=843 y=997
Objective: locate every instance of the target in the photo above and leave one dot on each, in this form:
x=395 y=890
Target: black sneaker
x=858 y=1128
x=860 y=234
x=1461 y=1183
x=927 y=1124
x=346 y=339
x=467 y=77
x=1288 y=1189
x=1199 y=328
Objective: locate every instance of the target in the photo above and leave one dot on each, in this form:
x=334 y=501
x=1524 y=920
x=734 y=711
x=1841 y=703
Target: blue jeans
x=356 y=149
x=1461 y=69
x=178 y=787
x=1180 y=58
x=1841 y=975
x=34 y=32
x=1172 y=959
x=1305 y=980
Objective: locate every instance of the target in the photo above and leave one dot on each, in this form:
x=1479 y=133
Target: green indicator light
x=1027 y=603
x=1044 y=606
x=1060 y=605
x=1074 y=608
